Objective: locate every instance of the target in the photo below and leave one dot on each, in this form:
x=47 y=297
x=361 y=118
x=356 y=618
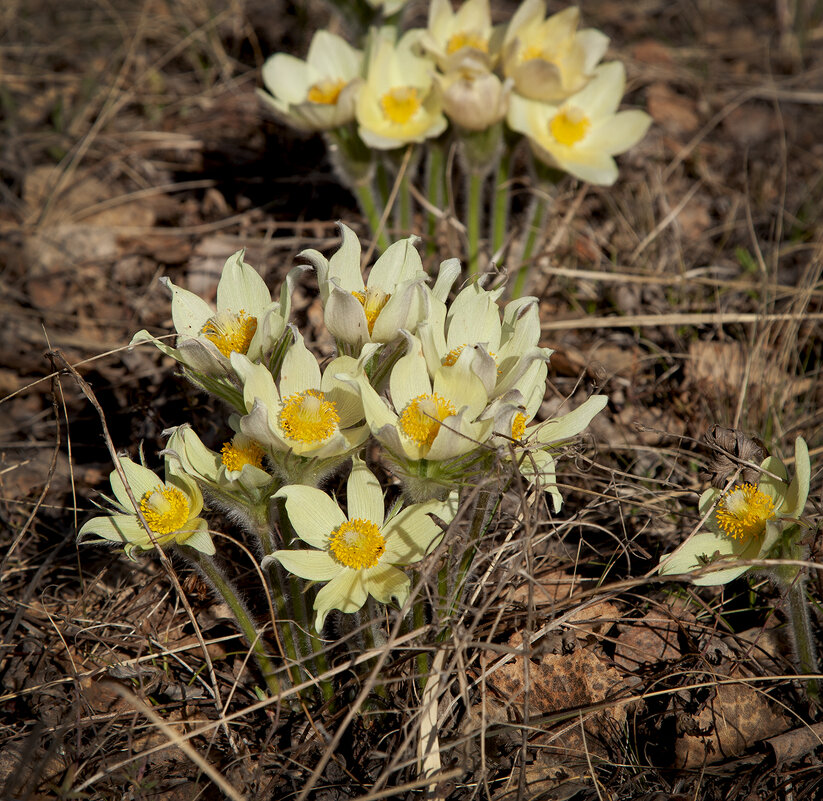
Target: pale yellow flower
x=358 y=312
x=307 y=423
x=246 y=320
x=459 y=39
x=319 y=93
x=236 y=471
x=399 y=102
x=435 y=420
x=171 y=509
x=745 y=522
x=581 y=136
x=358 y=554
x=549 y=59
x=535 y=446
x=503 y=349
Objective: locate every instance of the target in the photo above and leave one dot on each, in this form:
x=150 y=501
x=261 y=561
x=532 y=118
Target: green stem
x=406 y=203
x=298 y=596
x=435 y=190
x=535 y=225
x=208 y=567
x=801 y=631
x=502 y=202
x=473 y=216
x=367 y=198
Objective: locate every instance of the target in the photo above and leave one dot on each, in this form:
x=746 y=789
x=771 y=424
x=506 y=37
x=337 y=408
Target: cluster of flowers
x=445 y=390
x=541 y=75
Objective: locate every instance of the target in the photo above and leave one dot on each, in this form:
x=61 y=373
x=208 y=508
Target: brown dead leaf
x=560 y=682
x=676 y=113
x=733 y=720
x=650 y=51
x=650 y=639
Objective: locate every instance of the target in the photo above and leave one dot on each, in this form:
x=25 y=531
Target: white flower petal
x=344 y=592
x=311 y=565
x=364 y=494
x=300 y=370
x=385 y=582
x=241 y=288
x=312 y=514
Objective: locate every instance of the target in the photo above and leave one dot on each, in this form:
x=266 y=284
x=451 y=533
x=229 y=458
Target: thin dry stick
x=401 y=173
x=651 y=320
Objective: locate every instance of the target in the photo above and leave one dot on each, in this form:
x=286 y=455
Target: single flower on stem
x=170 y=509
x=535 y=447
x=319 y=93
x=246 y=320
x=549 y=59
x=307 y=422
x=581 y=135
x=358 y=554
x=474 y=318
x=456 y=40
x=394 y=297
x=399 y=102
x=431 y=425
x=745 y=522
x=234 y=475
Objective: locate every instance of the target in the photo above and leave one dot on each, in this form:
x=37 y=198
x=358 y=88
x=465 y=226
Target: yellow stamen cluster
x=400 y=104
x=569 y=125
x=519 y=426
x=372 y=301
x=165 y=508
x=308 y=417
x=467 y=39
x=230 y=333
x=744 y=511
x=237 y=454
x=534 y=52
x=326 y=92
x=420 y=420
x=357 y=544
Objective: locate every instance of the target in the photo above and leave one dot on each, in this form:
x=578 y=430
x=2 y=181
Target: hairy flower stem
x=474 y=214
x=435 y=191
x=298 y=596
x=801 y=633
x=533 y=230
x=283 y=588
x=225 y=589
x=366 y=197
x=500 y=205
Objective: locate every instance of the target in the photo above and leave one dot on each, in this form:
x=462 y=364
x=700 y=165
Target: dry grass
x=133 y=146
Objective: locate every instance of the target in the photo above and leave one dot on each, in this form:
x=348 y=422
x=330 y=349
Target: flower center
x=467 y=39
x=357 y=544
x=372 y=301
x=569 y=125
x=165 y=508
x=519 y=427
x=240 y=452
x=230 y=333
x=534 y=52
x=744 y=511
x=326 y=92
x=401 y=104
x=420 y=420
x=454 y=354
x=308 y=417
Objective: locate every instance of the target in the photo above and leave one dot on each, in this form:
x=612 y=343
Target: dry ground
x=133 y=146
